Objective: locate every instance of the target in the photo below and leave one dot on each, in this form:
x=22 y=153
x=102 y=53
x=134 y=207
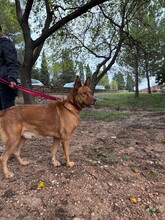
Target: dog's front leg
x=66 y=145
x=54 y=147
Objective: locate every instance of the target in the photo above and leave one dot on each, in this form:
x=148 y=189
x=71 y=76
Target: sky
x=143 y=84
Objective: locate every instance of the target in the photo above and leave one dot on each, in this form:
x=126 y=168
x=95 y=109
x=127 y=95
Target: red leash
x=32 y=92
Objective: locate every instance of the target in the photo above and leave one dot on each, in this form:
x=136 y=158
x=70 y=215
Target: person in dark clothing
x=9 y=68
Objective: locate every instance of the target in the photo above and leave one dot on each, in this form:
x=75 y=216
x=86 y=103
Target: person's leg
x=1 y=100
x=6 y=101
x=1 y=108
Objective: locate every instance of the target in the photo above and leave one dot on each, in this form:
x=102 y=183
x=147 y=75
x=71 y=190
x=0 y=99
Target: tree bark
x=137 y=71
x=147 y=74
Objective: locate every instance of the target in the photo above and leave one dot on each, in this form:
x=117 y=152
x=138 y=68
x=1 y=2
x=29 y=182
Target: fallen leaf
x=41 y=185
x=135 y=170
x=133 y=199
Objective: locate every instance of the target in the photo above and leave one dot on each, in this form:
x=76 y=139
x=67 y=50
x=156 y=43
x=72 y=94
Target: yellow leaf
x=133 y=199
x=135 y=170
x=41 y=185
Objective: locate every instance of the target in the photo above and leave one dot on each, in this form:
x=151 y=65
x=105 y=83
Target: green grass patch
x=105 y=157
x=118 y=101
x=112 y=106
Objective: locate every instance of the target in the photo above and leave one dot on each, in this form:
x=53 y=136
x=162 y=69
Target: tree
x=9 y=21
x=44 y=73
x=62 y=20
x=129 y=83
x=120 y=80
x=81 y=71
x=56 y=71
x=114 y=85
x=63 y=71
x=36 y=73
x=106 y=41
x=160 y=57
x=105 y=81
x=88 y=71
x=142 y=53
x=160 y=76
x=53 y=17
x=68 y=73
x=10 y=25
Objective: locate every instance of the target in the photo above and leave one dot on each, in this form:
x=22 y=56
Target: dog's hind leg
x=9 y=149
x=17 y=151
x=66 y=145
x=54 y=147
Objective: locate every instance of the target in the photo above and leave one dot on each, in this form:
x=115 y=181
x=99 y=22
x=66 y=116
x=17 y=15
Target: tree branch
x=66 y=19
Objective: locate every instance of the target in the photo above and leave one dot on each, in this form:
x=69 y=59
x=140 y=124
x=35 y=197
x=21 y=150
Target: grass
x=113 y=106
x=120 y=100
x=110 y=106
x=102 y=155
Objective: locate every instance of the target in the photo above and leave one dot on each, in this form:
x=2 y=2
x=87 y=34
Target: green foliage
x=130 y=83
x=160 y=78
x=120 y=101
x=145 y=47
x=114 y=85
x=88 y=71
x=63 y=72
x=86 y=36
x=105 y=81
x=81 y=71
x=8 y=19
x=56 y=71
x=44 y=74
x=36 y=73
x=10 y=25
x=119 y=78
x=68 y=74
x=103 y=155
x=114 y=106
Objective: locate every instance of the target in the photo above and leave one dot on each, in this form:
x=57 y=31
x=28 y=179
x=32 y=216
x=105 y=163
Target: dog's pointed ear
x=88 y=81
x=77 y=83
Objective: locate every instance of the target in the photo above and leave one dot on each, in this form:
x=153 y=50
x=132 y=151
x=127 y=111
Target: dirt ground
x=119 y=174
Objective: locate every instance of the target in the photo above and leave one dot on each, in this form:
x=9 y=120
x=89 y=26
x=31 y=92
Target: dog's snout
x=94 y=100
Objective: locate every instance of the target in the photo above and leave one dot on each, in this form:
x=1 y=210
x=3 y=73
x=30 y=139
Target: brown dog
x=57 y=120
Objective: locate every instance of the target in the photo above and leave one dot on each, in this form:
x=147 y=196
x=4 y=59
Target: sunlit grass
x=112 y=106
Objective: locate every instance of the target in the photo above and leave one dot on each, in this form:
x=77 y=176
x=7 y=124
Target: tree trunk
x=136 y=83
x=137 y=71
x=26 y=82
x=147 y=74
x=148 y=82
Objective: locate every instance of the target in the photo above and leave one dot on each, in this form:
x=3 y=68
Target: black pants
x=7 y=97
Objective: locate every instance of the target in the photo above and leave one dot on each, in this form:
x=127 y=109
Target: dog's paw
x=56 y=163
x=9 y=174
x=70 y=164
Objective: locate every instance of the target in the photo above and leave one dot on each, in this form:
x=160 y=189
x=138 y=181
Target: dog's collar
x=67 y=104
